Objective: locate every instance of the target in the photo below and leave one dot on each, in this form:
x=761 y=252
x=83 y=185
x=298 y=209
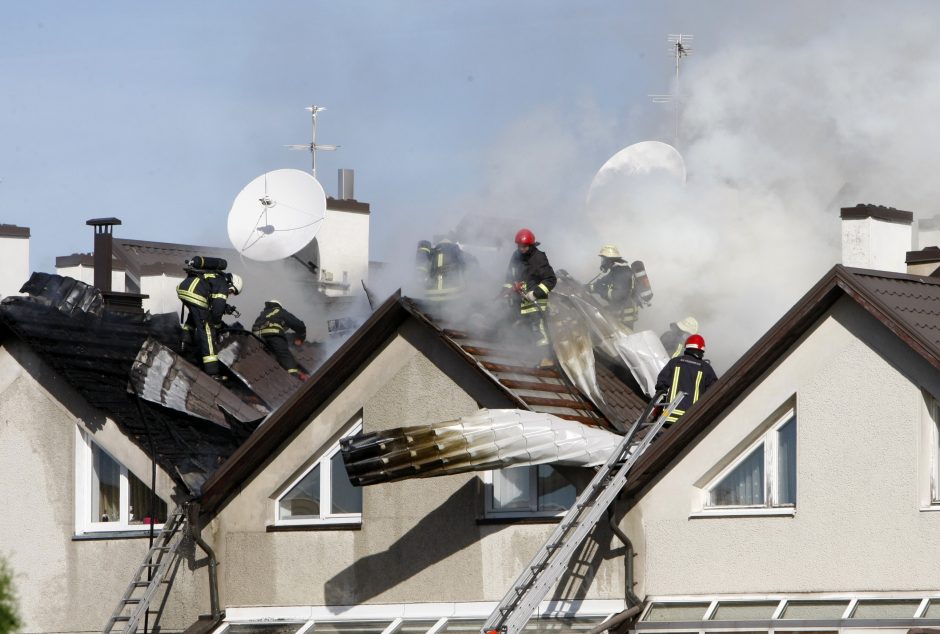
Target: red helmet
x=524 y=236
x=695 y=341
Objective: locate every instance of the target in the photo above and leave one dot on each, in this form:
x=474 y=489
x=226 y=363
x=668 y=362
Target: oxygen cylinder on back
x=205 y=263
x=643 y=289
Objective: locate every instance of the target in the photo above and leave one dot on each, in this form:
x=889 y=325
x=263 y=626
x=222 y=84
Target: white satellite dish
x=641 y=165
x=276 y=215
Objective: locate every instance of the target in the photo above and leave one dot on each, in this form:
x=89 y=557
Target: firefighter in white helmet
x=617 y=285
x=204 y=295
x=674 y=338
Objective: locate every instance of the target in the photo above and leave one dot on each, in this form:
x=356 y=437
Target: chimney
x=344 y=189
x=876 y=237
x=14 y=258
x=103 y=263
x=104 y=251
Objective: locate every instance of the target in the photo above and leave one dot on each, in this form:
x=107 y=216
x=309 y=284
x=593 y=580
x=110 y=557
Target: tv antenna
x=313 y=146
x=678 y=48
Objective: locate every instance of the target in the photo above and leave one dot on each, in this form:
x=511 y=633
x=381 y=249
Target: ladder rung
x=130 y=601
x=120 y=618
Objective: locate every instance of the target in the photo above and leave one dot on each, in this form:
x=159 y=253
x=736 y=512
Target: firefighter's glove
x=530 y=296
x=517 y=286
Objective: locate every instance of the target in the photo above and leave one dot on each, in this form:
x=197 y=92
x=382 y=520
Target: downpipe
x=629 y=554
x=196 y=535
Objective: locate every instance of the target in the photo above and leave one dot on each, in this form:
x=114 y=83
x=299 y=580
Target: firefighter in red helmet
x=529 y=280
x=690 y=373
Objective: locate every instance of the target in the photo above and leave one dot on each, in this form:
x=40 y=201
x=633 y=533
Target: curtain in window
x=786 y=463
x=512 y=489
x=345 y=497
x=556 y=493
x=744 y=486
x=140 y=499
x=303 y=501
x=105 y=487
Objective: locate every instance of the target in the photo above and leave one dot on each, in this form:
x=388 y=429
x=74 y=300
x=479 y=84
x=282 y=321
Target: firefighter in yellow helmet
x=204 y=295
x=674 y=338
x=617 y=285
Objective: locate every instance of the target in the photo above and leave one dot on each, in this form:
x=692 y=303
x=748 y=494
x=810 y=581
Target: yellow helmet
x=609 y=251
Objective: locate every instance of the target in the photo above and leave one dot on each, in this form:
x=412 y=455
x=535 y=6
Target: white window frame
x=490 y=511
x=326 y=489
x=83 y=492
x=930 y=454
x=771 y=506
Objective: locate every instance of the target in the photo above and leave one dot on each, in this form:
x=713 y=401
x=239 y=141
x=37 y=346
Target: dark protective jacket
x=618 y=285
x=688 y=373
x=532 y=272
x=448 y=270
x=274 y=320
x=207 y=290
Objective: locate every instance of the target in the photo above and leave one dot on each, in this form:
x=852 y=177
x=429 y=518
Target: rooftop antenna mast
x=678 y=48
x=313 y=146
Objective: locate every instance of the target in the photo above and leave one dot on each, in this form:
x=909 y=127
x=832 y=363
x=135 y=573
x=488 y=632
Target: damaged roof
x=128 y=365
x=523 y=386
x=908 y=305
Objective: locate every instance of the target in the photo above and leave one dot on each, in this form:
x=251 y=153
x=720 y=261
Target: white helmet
x=276 y=301
x=609 y=251
x=235 y=281
x=689 y=325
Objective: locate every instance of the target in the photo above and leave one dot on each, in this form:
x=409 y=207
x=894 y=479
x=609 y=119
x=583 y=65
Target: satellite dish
x=638 y=166
x=276 y=215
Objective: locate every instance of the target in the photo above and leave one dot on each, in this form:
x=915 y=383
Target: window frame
x=770 y=441
x=326 y=492
x=930 y=454
x=84 y=461
x=490 y=512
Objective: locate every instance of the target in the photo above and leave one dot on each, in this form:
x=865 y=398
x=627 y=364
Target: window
x=765 y=475
x=323 y=494
x=109 y=496
x=932 y=444
x=537 y=491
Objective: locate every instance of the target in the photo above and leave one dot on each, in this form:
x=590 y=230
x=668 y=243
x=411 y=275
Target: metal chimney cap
x=101 y=222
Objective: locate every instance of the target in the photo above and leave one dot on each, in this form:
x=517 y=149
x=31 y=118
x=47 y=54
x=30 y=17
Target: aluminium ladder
x=549 y=563
x=150 y=575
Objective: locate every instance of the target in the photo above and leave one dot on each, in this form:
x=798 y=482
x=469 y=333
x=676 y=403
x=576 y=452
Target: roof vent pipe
x=104 y=251
x=344 y=189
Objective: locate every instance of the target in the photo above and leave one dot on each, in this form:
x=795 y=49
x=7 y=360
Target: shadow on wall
x=444 y=531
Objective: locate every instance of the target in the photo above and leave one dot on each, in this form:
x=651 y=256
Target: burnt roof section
x=94 y=349
x=526 y=392
x=879 y=212
x=12 y=231
x=908 y=305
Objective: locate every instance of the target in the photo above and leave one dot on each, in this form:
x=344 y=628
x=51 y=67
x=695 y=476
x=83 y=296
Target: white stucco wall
x=87 y=274
x=64 y=584
x=14 y=264
x=161 y=293
x=858 y=524
x=344 y=248
x=419 y=540
x=871 y=243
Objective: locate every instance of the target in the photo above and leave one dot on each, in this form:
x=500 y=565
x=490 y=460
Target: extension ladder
x=150 y=575
x=549 y=563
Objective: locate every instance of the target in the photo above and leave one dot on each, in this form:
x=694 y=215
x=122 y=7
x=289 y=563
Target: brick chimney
x=876 y=237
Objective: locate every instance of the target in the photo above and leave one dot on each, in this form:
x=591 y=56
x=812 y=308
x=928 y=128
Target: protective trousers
x=277 y=345
x=204 y=337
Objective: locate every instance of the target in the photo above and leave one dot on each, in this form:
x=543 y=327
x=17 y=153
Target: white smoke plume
x=779 y=129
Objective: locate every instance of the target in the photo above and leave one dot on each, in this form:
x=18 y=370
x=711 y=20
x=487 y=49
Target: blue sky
x=159 y=113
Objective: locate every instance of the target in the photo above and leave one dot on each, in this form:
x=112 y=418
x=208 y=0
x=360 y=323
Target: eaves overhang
x=839 y=282
x=297 y=410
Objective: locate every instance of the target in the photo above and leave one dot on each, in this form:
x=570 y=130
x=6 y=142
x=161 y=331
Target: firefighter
x=617 y=286
x=204 y=294
x=674 y=338
x=423 y=262
x=689 y=373
x=529 y=281
x=271 y=327
x=447 y=274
